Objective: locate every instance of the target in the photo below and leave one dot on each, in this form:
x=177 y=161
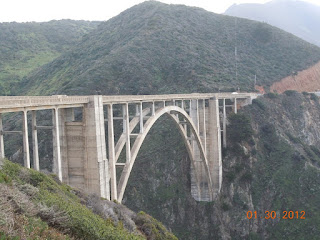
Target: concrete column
x=112 y=157
x=194 y=113
x=126 y=130
x=224 y=124
x=199 y=187
x=153 y=109
x=35 y=141
x=26 y=154
x=57 y=169
x=235 y=106
x=124 y=127
x=141 y=117
x=67 y=146
x=202 y=123
x=96 y=167
x=183 y=107
x=214 y=145
x=2 y=155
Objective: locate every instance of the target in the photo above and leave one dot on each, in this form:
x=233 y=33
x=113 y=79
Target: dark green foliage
x=4 y=236
x=247 y=177
x=157 y=48
x=152 y=228
x=312 y=152
x=262 y=33
x=259 y=103
x=290 y=92
x=225 y=206
x=253 y=236
x=4 y=178
x=293 y=138
x=314 y=97
x=315 y=150
x=271 y=95
x=283 y=177
x=230 y=176
x=240 y=128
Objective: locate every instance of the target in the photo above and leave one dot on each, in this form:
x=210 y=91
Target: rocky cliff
x=272 y=163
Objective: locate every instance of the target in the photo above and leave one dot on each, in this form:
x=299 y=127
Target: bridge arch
x=176 y=113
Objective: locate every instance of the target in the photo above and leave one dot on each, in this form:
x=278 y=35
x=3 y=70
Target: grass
x=52 y=210
x=79 y=221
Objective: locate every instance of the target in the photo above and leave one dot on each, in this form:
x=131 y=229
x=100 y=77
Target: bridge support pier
x=214 y=146
x=1 y=142
x=96 y=165
x=26 y=154
x=35 y=141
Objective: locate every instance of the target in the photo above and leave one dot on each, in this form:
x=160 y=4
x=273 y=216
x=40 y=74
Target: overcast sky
x=46 y=10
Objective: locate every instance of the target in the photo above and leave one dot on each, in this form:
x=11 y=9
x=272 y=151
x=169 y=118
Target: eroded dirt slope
x=305 y=81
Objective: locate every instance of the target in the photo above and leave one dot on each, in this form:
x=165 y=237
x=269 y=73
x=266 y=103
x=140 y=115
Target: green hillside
x=158 y=48
x=38 y=206
x=26 y=46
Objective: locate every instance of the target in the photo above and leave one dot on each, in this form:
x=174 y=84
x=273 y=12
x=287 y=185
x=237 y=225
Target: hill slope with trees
x=25 y=47
x=159 y=48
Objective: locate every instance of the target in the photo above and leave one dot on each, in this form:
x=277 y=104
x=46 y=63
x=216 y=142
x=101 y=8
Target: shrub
x=314 y=97
x=225 y=206
x=271 y=95
x=290 y=92
x=247 y=177
x=5 y=178
x=259 y=103
x=152 y=228
x=240 y=128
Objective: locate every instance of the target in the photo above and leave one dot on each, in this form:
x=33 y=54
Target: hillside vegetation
x=37 y=206
x=26 y=46
x=159 y=48
x=271 y=163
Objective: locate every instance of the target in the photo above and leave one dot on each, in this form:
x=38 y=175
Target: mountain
x=297 y=17
x=159 y=48
x=26 y=46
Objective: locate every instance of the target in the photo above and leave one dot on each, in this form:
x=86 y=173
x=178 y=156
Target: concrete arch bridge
x=87 y=157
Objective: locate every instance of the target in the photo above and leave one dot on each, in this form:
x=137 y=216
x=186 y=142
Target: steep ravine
x=271 y=164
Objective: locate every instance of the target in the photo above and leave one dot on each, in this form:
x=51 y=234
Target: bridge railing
x=150 y=98
x=58 y=100
x=18 y=101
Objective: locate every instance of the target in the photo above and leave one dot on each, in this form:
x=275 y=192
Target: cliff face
x=307 y=80
x=271 y=164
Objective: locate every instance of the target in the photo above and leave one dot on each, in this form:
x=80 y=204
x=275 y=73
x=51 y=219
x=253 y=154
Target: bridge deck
x=19 y=103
